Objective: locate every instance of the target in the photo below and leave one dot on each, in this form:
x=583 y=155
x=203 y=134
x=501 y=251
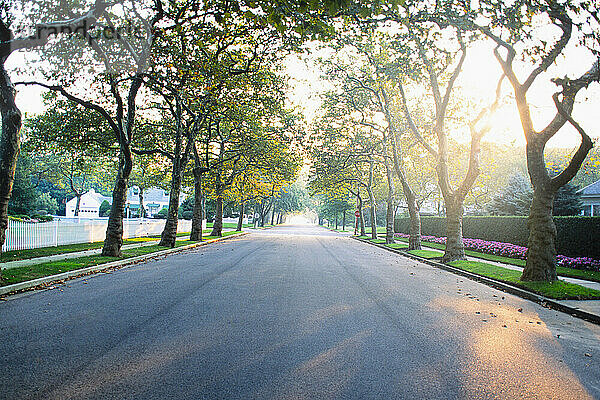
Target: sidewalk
x=64 y=256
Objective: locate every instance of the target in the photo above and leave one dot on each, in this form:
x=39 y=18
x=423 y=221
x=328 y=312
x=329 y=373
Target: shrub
x=162 y=214
x=104 y=209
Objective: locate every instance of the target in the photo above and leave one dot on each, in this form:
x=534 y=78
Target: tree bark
x=9 y=145
x=455 y=249
x=198 y=215
x=344 y=221
x=414 y=240
x=240 y=223
x=77 y=204
x=169 y=233
x=273 y=215
x=361 y=218
x=114 y=231
x=541 y=253
x=389 y=215
x=218 y=223
x=142 y=210
x=373 y=209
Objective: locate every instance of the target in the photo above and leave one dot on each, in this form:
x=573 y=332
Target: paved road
x=291 y=312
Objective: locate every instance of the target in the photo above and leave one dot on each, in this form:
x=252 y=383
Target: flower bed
x=513 y=251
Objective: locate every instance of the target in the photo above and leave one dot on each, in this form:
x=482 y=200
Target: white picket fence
x=23 y=235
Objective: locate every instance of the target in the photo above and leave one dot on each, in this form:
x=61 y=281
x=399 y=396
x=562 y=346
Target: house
x=590 y=197
x=155 y=199
x=89 y=205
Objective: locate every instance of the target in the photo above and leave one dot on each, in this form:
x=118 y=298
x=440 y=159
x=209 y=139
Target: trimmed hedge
x=576 y=236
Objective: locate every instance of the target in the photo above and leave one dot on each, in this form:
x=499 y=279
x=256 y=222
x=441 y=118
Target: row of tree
x=187 y=91
x=395 y=104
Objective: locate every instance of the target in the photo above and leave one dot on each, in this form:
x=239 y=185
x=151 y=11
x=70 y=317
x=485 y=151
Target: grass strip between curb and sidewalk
x=17 y=255
x=30 y=276
x=593 y=276
x=557 y=290
x=504 y=286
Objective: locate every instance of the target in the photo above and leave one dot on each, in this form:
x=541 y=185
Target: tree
x=115 y=84
x=10 y=113
x=517 y=197
x=104 y=209
x=541 y=254
x=71 y=146
x=422 y=61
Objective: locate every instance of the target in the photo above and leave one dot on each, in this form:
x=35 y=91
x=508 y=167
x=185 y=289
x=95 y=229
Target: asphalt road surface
x=290 y=313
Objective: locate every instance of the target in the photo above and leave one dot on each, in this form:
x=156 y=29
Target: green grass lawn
x=561 y=271
x=27 y=273
x=559 y=290
x=397 y=245
x=426 y=253
x=378 y=241
x=229 y=225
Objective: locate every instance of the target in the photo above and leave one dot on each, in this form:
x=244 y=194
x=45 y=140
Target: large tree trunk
x=240 y=223
x=114 y=231
x=218 y=223
x=541 y=253
x=373 y=209
x=9 y=146
x=273 y=215
x=389 y=215
x=414 y=240
x=344 y=221
x=361 y=218
x=455 y=249
x=142 y=210
x=77 y=204
x=169 y=233
x=198 y=215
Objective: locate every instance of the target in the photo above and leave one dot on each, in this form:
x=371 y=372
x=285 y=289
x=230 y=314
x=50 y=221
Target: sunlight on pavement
x=506 y=350
x=299 y=220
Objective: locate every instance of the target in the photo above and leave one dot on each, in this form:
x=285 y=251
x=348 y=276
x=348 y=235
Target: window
x=136 y=191
x=596 y=210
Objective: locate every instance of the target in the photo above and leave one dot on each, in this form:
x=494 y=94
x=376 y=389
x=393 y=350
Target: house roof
x=591 y=190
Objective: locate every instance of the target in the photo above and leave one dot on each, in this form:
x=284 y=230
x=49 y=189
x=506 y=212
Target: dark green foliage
x=24 y=193
x=567 y=201
x=516 y=199
x=576 y=236
x=104 y=209
x=186 y=209
x=162 y=214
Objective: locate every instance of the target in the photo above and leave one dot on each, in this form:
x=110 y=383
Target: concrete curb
x=517 y=291
x=46 y=280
